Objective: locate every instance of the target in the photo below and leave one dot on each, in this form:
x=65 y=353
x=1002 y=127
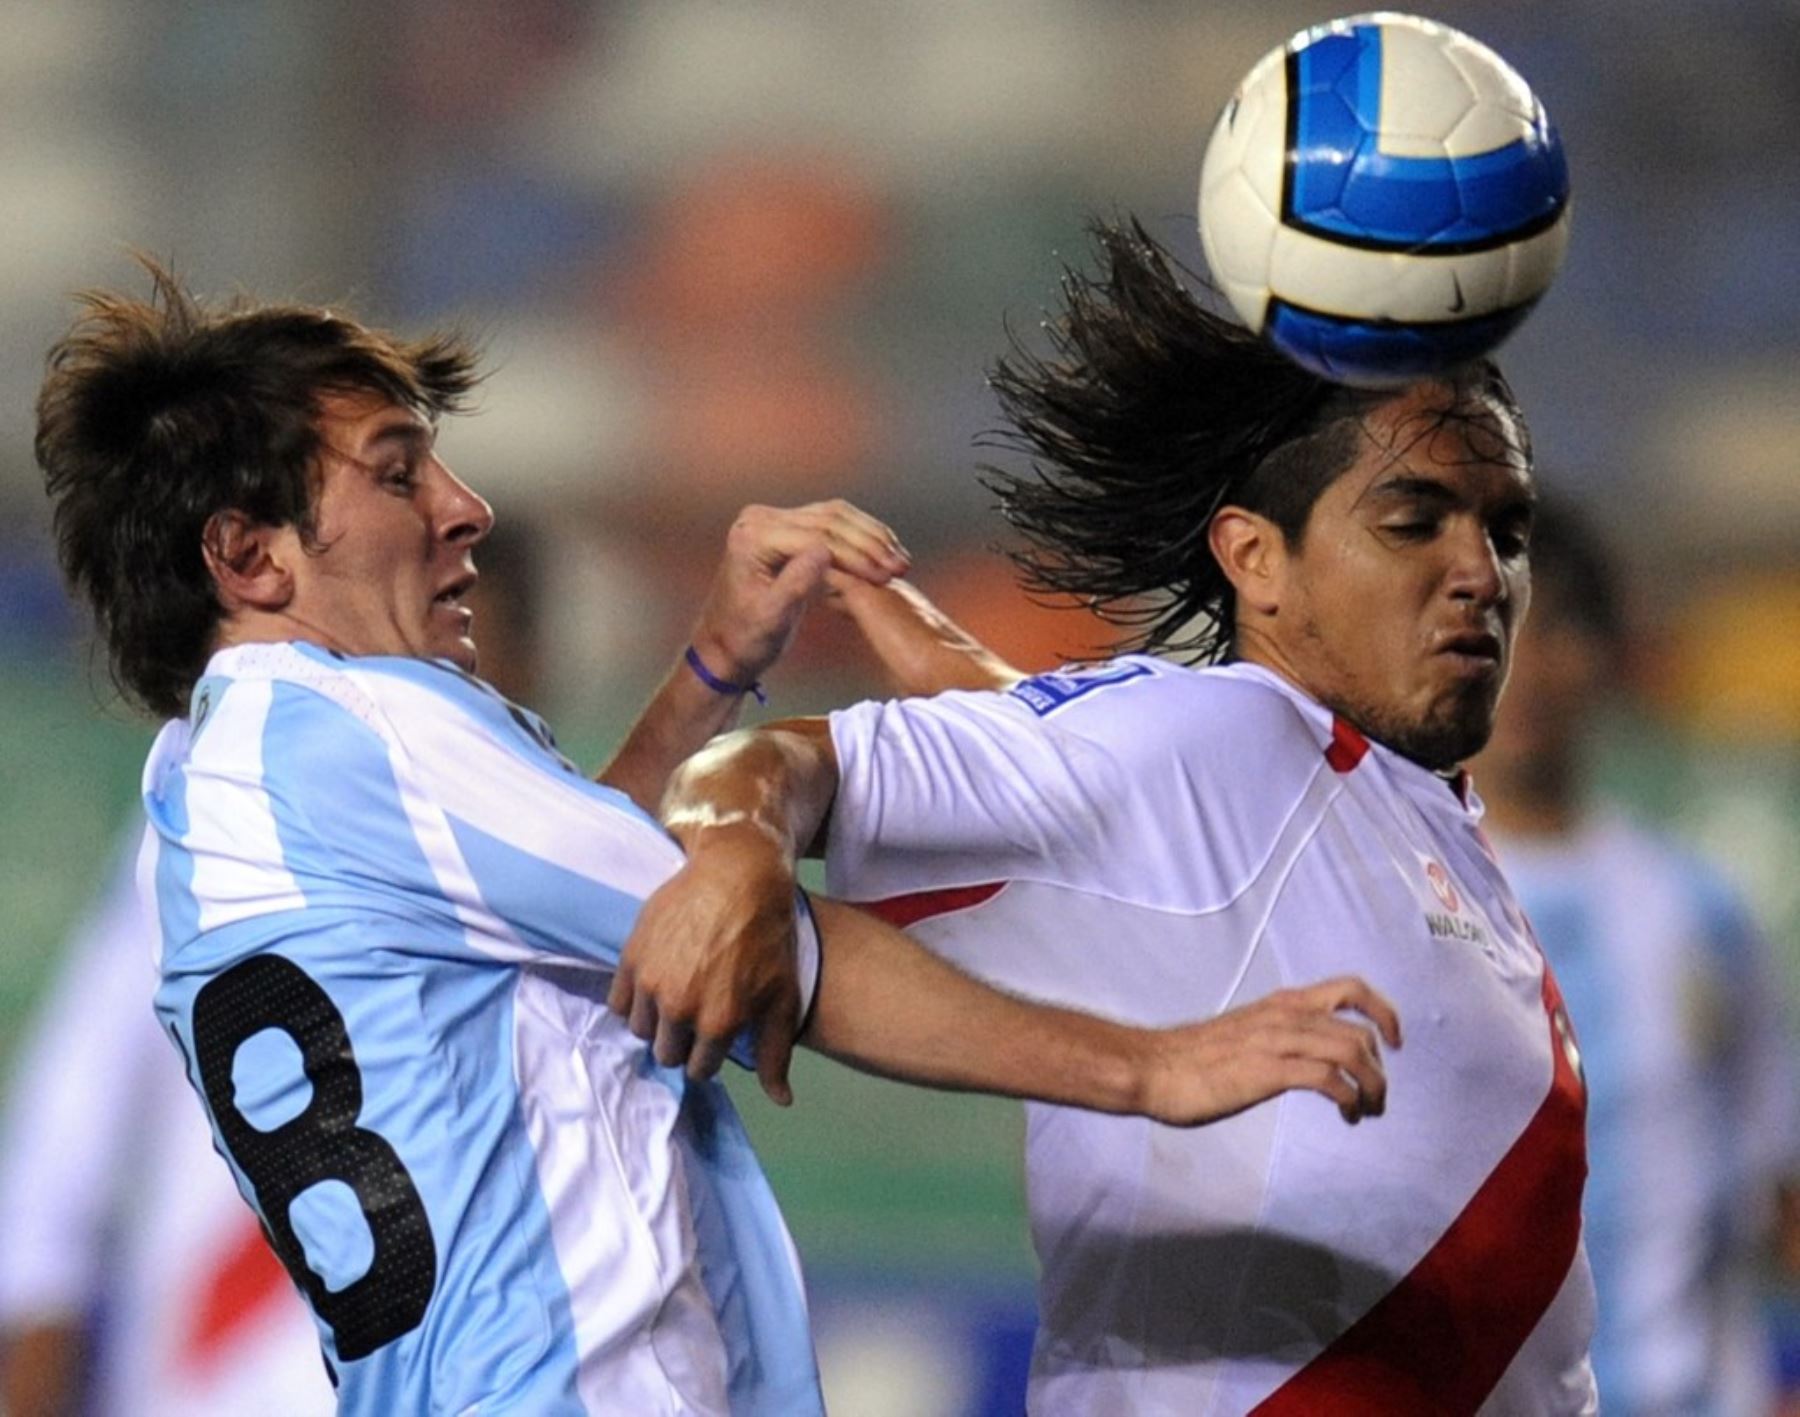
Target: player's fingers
x=853 y=527
x=1350 y=992
x=620 y=997
x=674 y=1040
x=859 y=544
x=1360 y=1061
x=1352 y=1049
x=1323 y=1078
x=802 y=577
x=775 y=1050
x=708 y=1057
x=643 y=1015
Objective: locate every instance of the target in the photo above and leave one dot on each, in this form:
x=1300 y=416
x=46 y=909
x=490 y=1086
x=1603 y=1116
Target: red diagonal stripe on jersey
x=904 y=910
x=1440 y=1340
x=245 y=1281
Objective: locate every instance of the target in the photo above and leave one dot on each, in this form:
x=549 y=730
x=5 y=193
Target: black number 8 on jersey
x=322 y=1143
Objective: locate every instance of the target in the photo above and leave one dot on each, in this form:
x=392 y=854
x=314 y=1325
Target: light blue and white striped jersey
x=390 y=912
x=1692 y=1117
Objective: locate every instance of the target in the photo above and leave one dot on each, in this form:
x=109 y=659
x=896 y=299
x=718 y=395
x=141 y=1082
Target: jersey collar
x=1344 y=748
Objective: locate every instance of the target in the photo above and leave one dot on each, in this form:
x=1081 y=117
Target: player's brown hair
x=1148 y=414
x=157 y=414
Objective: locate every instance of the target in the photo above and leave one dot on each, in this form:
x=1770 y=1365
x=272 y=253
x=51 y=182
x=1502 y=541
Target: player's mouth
x=451 y=596
x=1472 y=652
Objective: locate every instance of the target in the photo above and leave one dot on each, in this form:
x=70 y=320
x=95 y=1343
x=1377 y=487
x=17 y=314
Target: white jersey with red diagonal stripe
x=1159 y=844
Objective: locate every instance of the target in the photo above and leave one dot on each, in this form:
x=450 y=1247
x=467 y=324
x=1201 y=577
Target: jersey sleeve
x=1134 y=779
x=969 y=785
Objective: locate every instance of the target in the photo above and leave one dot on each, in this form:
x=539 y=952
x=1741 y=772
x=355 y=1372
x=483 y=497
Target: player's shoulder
x=244 y=673
x=319 y=688
x=1229 y=714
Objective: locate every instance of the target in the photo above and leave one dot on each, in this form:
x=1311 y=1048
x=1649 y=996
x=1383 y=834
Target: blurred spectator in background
x=133 y=1280
x=1691 y=1084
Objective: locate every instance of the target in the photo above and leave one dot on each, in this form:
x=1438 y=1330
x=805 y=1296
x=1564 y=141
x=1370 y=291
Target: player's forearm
x=779 y=780
x=679 y=720
x=922 y=650
x=885 y=1005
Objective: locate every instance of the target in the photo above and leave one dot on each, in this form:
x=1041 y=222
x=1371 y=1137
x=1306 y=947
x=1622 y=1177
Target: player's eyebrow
x=1404 y=488
x=407 y=433
x=403 y=435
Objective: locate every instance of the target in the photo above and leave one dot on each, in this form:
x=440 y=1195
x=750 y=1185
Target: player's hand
x=712 y=953
x=1296 y=1039
x=775 y=565
x=921 y=649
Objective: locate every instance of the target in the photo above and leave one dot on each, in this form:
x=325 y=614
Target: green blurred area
x=69 y=763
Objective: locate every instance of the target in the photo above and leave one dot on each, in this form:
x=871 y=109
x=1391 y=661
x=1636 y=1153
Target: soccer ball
x=1383 y=198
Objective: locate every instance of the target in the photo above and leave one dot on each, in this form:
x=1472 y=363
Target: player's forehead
x=358 y=423
x=1465 y=440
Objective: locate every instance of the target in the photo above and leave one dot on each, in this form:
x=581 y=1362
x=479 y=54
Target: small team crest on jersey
x=1442 y=886
x=1045 y=693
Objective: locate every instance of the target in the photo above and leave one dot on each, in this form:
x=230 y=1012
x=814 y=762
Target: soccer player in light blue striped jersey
x=390 y=910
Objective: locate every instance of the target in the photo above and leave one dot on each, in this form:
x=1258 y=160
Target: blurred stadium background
x=734 y=250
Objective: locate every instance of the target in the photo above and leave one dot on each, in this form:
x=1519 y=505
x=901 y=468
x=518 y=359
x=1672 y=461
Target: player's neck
x=1251 y=646
x=253 y=627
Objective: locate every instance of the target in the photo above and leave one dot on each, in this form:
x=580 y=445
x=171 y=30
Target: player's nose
x=1475 y=572
x=464 y=516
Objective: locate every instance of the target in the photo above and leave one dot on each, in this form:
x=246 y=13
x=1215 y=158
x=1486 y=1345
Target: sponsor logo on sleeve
x=1045 y=693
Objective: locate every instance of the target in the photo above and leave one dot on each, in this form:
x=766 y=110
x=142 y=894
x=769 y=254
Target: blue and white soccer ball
x=1383 y=198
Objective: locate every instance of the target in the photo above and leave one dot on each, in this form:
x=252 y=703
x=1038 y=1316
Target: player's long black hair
x=1148 y=414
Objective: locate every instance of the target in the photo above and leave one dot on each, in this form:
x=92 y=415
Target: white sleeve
x=69 y=1130
x=963 y=788
x=1133 y=779
x=969 y=788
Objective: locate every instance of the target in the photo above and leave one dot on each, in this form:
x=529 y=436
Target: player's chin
x=460 y=651
x=1457 y=728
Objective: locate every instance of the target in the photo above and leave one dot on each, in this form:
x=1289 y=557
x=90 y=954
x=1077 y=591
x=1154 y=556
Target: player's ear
x=248 y=561
x=1252 y=553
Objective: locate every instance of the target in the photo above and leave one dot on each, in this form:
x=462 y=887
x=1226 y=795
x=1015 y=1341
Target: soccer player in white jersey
x=390 y=910
x=1154 y=842
x=1687 y=1048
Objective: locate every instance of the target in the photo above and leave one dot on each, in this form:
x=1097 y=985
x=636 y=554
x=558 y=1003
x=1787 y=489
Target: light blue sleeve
x=368 y=822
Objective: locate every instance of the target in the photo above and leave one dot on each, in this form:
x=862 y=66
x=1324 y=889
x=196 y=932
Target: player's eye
x=1412 y=528
x=1511 y=539
x=400 y=477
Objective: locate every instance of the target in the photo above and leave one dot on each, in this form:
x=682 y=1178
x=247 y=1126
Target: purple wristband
x=718 y=685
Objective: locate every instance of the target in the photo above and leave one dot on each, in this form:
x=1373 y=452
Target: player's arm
x=774 y=566
x=921 y=649
x=712 y=950
x=886 y=1005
